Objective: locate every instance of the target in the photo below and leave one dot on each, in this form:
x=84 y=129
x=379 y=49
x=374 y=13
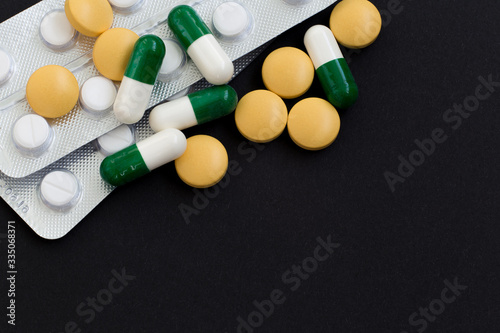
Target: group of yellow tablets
x=288 y=73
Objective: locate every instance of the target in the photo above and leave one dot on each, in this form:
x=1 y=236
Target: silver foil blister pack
x=25 y=196
x=20 y=41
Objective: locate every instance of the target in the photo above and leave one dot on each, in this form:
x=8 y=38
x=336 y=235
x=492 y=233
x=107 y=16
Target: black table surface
x=419 y=255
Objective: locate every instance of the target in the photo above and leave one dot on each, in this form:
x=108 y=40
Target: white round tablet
x=97 y=95
x=32 y=135
x=297 y=2
x=56 y=32
x=60 y=190
x=231 y=21
x=6 y=66
x=174 y=61
x=116 y=140
x=126 y=6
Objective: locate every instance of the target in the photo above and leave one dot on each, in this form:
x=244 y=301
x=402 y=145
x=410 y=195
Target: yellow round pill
x=313 y=123
x=112 y=51
x=204 y=163
x=52 y=91
x=288 y=72
x=261 y=116
x=355 y=23
x=89 y=17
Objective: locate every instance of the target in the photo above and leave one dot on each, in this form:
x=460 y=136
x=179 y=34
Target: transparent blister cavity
x=174 y=62
x=21 y=36
x=54 y=221
x=97 y=95
x=115 y=140
x=56 y=32
x=126 y=7
x=232 y=22
x=32 y=135
x=60 y=190
x=7 y=66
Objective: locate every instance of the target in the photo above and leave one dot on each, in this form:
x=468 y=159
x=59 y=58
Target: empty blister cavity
x=120 y=138
x=56 y=32
x=7 y=66
x=174 y=62
x=97 y=96
x=126 y=6
x=232 y=22
x=60 y=190
x=32 y=135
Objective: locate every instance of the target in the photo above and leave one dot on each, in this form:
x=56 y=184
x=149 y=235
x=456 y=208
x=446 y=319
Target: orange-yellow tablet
x=204 y=163
x=313 y=123
x=52 y=91
x=288 y=72
x=261 y=116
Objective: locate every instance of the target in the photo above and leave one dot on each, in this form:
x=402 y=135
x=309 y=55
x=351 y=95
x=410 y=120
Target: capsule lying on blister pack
x=194 y=109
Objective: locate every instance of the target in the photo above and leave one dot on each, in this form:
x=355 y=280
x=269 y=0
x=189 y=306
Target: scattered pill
x=355 y=23
x=204 y=163
x=288 y=72
x=60 y=190
x=232 y=22
x=313 y=123
x=116 y=140
x=56 y=32
x=97 y=95
x=194 y=109
x=140 y=76
x=261 y=116
x=198 y=41
x=89 y=17
x=112 y=51
x=126 y=6
x=52 y=91
x=174 y=61
x=143 y=157
x=6 y=66
x=32 y=135
x=331 y=67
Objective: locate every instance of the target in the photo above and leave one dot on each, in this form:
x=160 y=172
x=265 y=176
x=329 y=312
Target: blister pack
x=53 y=200
x=41 y=36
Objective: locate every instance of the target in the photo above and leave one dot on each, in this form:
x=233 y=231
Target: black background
x=396 y=248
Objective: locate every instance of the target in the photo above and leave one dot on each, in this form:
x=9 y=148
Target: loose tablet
x=204 y=163
x=261 y=116
x=288 y=72
x=313 y=123
x=89 y=17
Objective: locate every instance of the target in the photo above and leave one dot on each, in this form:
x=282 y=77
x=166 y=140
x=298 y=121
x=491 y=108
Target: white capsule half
x=132 y=100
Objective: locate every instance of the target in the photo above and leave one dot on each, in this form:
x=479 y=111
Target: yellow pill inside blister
x=313 y=123
x=52 y=91
x=89 y=17
x=112 y=51
x=204 y=163
x=261 y=116
x=355 y=23
x=288 y=72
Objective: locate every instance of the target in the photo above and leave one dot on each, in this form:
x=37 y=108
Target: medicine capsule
x=140 y=76
x=201 y=45
x=143 y=157
x=331 y=67
x=194 y=109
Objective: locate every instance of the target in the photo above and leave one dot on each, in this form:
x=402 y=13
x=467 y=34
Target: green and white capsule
x=143 y=157
x=201 y=45
x=331 y=67
x=140 y=76
x=194 y=109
